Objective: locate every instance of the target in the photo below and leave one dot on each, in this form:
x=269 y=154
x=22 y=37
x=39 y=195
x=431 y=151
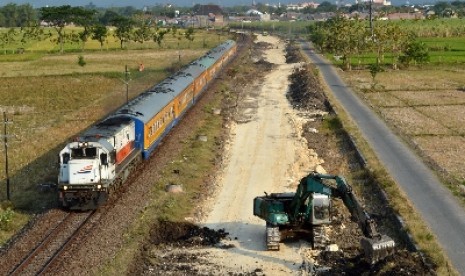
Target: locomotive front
x=94 y=162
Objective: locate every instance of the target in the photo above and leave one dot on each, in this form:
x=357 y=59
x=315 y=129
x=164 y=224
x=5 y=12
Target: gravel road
x=437 y=206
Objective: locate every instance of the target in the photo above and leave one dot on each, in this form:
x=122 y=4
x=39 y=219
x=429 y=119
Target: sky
x=183 y=3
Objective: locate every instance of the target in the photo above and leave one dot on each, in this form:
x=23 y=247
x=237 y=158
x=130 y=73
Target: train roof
x=105 y=128
x=146 y=105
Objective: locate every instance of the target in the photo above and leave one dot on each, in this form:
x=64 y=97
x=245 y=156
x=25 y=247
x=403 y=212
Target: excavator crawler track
x=320 y=239
x=273 y=237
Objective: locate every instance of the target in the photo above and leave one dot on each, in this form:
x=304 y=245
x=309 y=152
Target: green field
x=442 y=50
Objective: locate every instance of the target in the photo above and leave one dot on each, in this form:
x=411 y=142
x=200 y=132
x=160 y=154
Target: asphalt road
x=431 y=199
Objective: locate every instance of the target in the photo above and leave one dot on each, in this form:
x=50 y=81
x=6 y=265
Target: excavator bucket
x=377 y=249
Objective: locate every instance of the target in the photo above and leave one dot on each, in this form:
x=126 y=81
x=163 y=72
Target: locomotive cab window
x=84 y=153
x=65 y=157
x=104 y=159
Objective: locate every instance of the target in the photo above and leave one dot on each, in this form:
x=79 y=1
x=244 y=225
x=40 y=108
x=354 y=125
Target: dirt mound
x=168 y=251
x=293 y=54
x=305 y=92
x=264 y=65
x=185 y=234
x=263 y=45
x=402 y=263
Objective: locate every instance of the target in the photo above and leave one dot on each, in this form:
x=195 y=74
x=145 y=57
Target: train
x=101 y=158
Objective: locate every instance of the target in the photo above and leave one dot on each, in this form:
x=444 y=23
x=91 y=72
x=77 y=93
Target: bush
x=81 y=61
x=6 y=217
x=415 y=51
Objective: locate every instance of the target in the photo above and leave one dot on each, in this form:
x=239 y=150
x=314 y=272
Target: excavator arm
x=375 y=245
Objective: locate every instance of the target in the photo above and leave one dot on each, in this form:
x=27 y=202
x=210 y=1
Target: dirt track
x=266 y=154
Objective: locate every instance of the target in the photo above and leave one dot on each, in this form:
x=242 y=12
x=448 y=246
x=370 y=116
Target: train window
x=91 y=152
x=77 y=153
x=104 y=159
x=84 y=153
x=65 y=157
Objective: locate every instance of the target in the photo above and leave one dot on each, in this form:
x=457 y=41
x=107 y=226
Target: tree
x=12 y=15
x=84 y=36
x=59 y=17
x=374 y=70
x=159 y=35
x=7 y=38
x=440 y=7
x=108 y=17
x=318 y=35
x=10 y=11
x=344 y=37
x=142 y=34
x=2 y=19
x=124 y=28
x=100 y=33
x=379 y=42
x=326 y=6
x=189 y=35
x=397 y=41
x=415 y=51
x=31 y=33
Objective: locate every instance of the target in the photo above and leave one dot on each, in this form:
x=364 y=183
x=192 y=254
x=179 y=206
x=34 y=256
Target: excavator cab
x=321 y=209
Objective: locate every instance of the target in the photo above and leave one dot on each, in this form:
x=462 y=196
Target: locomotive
x=102 y=157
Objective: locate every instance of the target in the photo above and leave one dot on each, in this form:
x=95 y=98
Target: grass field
x=427 y=107
x=50 y=98
x=47 y=43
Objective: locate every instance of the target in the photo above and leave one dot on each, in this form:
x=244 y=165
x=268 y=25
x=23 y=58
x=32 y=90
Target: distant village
x=215 y=16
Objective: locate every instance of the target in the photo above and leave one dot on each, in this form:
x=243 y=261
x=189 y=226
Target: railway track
x=49 y=249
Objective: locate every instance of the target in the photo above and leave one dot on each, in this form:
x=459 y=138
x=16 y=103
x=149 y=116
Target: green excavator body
x=309 y=208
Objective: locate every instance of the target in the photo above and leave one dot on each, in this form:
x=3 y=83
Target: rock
x=174 y=188
x=312 y=130
x=462 y=189
x=320 y=169
x=202 y=138
x=332 y=248
x=217 y=111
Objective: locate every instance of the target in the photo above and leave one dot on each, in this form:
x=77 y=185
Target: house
x=404 y=15
x=209 y=15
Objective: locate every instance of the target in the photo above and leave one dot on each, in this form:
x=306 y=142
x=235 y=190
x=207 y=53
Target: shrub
x=6 y=217
x=415 y=51
x=81 y=61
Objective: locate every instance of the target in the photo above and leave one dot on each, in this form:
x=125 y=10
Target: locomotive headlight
x=65 y=188
x=99 y=186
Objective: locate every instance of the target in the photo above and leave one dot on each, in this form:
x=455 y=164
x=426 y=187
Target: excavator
x=308 y=210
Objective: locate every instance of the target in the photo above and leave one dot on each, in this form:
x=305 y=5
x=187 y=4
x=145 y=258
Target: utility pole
x=126 y=81
x=371 y=19
x=5 y=143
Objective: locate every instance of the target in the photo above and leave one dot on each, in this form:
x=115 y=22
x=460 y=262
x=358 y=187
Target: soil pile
x=184 y=234
x=293 y=53
x=305 y=90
